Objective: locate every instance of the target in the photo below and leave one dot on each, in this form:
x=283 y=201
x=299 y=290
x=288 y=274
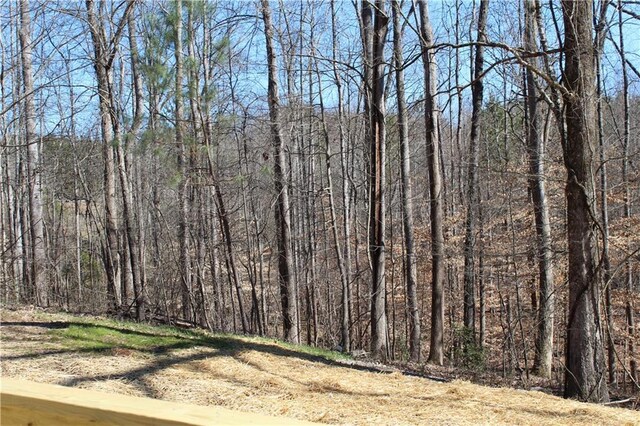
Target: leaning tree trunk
x=130 y=236
x=585 y=374
x=344 y=278
x=288 y=292
x=33 y=163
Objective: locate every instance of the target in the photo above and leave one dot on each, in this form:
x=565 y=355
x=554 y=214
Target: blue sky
x=62 y=37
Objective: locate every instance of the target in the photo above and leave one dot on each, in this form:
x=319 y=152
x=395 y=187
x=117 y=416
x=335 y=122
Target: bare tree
x=377 y=181
x=411 y=274
x=601 y=29
x=585 y=374
x=183 y=191
x=436 y=196
x=288 y=292
x=626 y=135
x=346 y=188
x=344 y=278
x=535 y=148
x=473 y=199
x=104 y=53
x=38 y=276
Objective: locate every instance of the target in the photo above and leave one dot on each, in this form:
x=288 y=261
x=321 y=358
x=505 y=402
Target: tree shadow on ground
x=55 y=325
x=226 y=345
x=211 y=347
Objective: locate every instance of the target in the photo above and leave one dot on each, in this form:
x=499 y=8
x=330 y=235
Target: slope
x=260 y=375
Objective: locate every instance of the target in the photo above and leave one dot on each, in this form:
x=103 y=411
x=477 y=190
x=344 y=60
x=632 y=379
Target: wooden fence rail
x=34 y=404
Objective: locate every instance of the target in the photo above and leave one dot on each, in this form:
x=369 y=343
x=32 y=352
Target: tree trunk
x=183 y=191
x=288 y=295
x=346 y=196
x=133 y=224
x=626 y=133
x=436 y=197
x=344 y=279
x=103 y=60
x=33 y=163
x=131 y=234
x=535 y=148
x=604 y=216
x=229 y=253
x=585 y=375
x=411 y=274
x=377 y=181
x=477 y=90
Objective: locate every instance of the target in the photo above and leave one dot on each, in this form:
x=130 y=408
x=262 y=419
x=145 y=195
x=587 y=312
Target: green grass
x=312 y=351
x=93 y=334
x=96 y=337
x=104 y=334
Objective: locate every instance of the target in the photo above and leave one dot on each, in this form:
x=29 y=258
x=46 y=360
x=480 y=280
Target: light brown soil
x=270 y=379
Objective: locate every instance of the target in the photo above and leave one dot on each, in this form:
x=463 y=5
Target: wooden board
x=34 y=404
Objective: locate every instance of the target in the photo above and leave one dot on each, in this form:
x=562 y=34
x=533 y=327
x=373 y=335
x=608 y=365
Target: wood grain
x=31 y=403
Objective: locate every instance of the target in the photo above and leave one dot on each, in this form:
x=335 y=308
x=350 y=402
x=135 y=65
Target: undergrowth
x=468 y=353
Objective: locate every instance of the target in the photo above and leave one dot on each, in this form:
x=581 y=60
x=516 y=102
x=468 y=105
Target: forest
x=448 y=183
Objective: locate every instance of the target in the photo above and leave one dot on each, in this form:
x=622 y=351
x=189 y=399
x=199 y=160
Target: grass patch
x=97 y=337
x=317 y=352
x=311 y=351
x=105 y=334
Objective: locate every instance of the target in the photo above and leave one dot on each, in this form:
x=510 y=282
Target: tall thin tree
x=436 y=195
x=288 y=295
x=411 y=274
x=377 y=182
x=104 y=52
x=626 y=139
x=38 y=277
x=535 y=148
x=183 y=190
x=346 y=187
x=473 y=199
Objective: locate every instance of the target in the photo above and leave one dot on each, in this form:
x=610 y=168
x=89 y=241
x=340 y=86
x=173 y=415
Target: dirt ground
x=270 y=379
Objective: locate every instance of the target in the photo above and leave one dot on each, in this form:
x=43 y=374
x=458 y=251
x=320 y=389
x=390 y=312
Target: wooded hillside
x=452 y=182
